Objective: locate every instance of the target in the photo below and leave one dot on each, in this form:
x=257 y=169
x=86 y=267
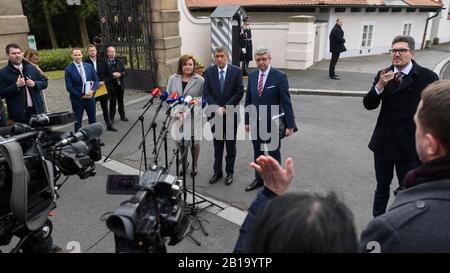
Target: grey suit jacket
x=194 y=87
x=417 y=221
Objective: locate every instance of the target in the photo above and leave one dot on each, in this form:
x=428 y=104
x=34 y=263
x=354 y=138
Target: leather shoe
x=111 y=128
x=254 y=185
x=335 y=78
x=124 y=119
x=215 y=178
x=229 y=179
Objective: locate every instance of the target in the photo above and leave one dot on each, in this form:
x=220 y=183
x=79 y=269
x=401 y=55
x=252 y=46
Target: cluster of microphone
x=174 y=99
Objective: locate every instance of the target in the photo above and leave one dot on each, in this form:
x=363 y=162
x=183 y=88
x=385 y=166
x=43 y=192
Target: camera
x=33 y=158
x=154 y=213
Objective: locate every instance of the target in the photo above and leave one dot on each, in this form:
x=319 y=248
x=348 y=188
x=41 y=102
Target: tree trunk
x=51 y=32
x=83 y=31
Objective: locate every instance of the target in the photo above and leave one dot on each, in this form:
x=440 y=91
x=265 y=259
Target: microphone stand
x=193 y=208
x=141 y=119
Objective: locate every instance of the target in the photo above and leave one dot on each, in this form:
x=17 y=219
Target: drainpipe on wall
x=426 y=27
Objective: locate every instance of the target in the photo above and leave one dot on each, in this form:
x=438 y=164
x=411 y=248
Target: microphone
x=172 y=98
x=155 y=93
x=88 y=133
x=164 y=95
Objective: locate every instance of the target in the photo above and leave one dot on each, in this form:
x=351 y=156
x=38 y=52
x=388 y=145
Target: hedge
x=56 y=59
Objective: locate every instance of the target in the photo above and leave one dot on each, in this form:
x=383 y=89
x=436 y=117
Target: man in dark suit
x=268 y=91
x=81 y=82
x=20 y=85
x=419 y=217
x=336 y=47
x=223 y=87
x=116 y=86
x=104 y=74
x=398 y=87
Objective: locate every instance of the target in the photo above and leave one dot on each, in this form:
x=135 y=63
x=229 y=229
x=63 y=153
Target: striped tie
x=398 y=78
x=261 y=85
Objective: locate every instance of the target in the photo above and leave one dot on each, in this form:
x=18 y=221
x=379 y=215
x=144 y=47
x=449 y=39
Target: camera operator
x=21 y=85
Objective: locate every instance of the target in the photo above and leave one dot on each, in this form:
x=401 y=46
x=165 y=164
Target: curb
x=439 y=68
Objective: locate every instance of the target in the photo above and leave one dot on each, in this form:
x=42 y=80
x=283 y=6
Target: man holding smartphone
x=20 y=85
x=398 y=89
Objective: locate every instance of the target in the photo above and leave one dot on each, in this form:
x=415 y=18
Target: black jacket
x=337 y=40
x=245 y=40
x=118 y=66
x=16 y=98
x=104 y=72
x=233 y=88
x=394 y=135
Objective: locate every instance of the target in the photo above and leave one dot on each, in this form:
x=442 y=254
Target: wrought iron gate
x=125 y=24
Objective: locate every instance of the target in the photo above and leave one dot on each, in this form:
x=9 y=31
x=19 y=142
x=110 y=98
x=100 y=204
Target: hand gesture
x=20 y=82
x=30 y=83
x=275 y=177
x=385 y=77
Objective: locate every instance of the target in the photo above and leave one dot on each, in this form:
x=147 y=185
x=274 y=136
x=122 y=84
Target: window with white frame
x=407 y=29
x=367 y=34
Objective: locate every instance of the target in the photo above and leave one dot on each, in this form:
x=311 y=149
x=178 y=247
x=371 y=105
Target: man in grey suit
x=419 y=218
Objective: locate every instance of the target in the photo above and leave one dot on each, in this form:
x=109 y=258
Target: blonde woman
x=32 y=56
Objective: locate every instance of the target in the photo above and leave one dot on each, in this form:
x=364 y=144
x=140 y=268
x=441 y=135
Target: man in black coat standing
x=336 y=47
x=398 y=87
x=116 y=86
x=21 y=85
x=245 y=40
x=104 y=74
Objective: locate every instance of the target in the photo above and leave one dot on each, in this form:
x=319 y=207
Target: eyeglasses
x=401 y=51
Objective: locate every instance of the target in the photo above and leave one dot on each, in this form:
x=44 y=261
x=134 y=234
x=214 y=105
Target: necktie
x=82 y=73
x=398 y=78
x=29 y=100
x=222 y=80
x=261 y=85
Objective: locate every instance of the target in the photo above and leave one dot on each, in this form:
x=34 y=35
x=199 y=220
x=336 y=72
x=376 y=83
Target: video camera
x=32 y=159
x=155 y=212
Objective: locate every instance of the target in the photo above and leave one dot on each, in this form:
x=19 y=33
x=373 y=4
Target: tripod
x=193 y=209
x=152 y=126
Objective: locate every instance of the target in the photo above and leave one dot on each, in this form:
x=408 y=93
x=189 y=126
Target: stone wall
x=13 y=27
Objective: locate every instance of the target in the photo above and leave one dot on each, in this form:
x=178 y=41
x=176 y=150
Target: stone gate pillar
x=300 y=42
x=166 y=37
x=13 y=27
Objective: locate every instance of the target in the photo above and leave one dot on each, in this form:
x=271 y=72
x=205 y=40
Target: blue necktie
x=221 y=80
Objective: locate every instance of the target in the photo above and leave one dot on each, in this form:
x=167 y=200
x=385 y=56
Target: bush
x=56 y=59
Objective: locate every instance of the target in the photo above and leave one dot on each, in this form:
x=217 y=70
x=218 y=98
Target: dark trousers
x=230 y=145
x=244 y=67
x=79 y=106
x=384 y=172
x=104 y=104
x=116 y=97
x=333 y=62
x=28 y=113
x=258 y=150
